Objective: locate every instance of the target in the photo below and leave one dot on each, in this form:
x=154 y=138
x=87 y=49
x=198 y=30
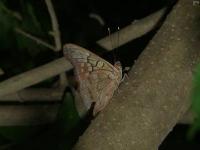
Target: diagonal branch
x=34 y=76
x=157 y=93
x=133 y=31
x=57 y=37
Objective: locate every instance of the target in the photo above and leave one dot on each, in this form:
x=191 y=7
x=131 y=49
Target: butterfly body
x=97 y=78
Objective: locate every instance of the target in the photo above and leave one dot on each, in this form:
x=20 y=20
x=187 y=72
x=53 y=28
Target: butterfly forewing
x=97 y=78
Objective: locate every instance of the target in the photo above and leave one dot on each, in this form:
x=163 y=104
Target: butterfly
x=97 y=79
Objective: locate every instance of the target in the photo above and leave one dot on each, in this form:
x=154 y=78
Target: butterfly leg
x=124 y=77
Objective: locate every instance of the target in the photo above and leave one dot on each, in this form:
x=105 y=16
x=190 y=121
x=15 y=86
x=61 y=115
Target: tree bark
x=157 y=93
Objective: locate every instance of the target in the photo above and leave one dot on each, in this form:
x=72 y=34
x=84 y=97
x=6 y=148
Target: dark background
x=19 y=54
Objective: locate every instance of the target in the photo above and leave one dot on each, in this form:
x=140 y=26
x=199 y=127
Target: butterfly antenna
x=111 y=41
x=109 y=34
x=116 y=44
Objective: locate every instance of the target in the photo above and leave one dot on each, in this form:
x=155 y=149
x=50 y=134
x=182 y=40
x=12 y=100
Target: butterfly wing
x=97 y=78
x=104 y=85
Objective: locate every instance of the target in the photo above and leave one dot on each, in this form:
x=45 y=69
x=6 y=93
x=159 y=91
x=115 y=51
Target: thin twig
x=56 y=35
x=36 y=39
x=55 y=25
x=12 y=13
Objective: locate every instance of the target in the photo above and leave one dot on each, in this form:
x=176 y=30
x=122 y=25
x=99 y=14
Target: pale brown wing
x=103 y=87
x=97 y=77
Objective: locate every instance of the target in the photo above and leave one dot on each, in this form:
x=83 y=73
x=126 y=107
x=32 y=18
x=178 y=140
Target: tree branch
x=34 y=95
x=133 y=31
x=57 y=36
x=34 y=76
x=157 y=93
x=55 y=25
x=14 y=115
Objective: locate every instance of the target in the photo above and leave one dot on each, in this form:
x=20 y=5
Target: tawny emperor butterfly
x=97 y=78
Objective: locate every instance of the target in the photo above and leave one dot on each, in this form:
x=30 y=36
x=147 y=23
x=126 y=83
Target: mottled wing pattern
x=97 y=78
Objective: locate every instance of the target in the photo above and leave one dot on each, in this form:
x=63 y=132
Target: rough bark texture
x=156 y=95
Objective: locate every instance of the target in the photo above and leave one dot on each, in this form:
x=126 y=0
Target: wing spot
x=92 y=62
x=89 y=65
x=100 y=64
x=90 y=68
